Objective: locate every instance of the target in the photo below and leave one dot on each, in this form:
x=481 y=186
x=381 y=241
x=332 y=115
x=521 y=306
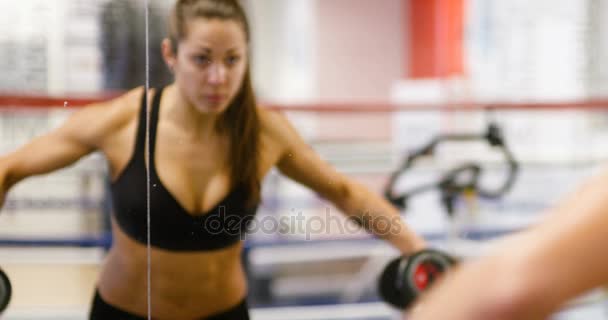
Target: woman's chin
x=212 y=108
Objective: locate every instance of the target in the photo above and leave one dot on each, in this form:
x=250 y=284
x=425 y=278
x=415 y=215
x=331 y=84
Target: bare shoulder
x=118 y=110
x=98 y=121
x=276 y=126
x=277 y=136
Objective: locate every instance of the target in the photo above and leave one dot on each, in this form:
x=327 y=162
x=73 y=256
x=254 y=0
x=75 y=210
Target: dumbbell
x=405 y=278
x=5 y=291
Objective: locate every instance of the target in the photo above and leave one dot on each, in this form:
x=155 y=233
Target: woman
x=532 y=274
x=209 y=148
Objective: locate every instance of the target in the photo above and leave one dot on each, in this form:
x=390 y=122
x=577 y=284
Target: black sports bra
x=171 y=226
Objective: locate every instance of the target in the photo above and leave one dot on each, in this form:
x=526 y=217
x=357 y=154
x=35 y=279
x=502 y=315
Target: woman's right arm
x=82 y=133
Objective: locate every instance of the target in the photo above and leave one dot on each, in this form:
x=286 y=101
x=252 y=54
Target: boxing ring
x=54 y=229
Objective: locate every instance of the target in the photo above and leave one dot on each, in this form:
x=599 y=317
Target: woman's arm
x=302 y=164
x=532 y=274
x=83 y=132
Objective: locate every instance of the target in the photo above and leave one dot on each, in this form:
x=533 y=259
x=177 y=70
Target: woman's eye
x=232 y=60
x=202 y=60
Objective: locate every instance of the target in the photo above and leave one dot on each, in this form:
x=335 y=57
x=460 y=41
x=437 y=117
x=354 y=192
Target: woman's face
x=211 y=62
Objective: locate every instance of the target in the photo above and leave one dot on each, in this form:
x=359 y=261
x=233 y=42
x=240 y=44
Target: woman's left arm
x=301 y=163
x=532 y=274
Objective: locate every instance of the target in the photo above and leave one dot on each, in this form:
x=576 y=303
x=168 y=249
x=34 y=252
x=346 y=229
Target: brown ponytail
x=240 y=120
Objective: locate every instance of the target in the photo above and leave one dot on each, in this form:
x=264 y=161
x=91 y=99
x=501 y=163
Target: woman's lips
x=215 y=97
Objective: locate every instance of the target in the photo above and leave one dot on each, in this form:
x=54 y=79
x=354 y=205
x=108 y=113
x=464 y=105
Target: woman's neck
x=197 y=125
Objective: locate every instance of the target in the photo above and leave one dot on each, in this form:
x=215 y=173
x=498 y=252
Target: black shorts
x=101 y=310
